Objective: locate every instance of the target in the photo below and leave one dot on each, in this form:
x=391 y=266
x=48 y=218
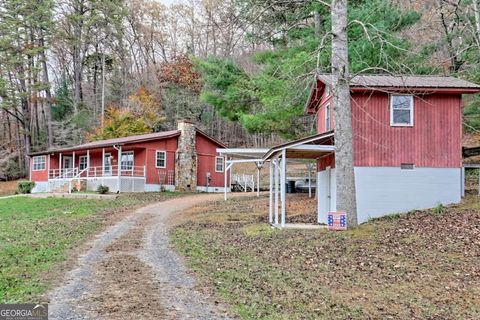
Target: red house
x=183 y=159
x=407 y=142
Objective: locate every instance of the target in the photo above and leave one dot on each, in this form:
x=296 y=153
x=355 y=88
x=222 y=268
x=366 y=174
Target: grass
x=420 y=265
x=36 y=234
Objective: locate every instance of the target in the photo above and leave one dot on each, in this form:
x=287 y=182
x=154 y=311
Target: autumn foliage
x=180 y=72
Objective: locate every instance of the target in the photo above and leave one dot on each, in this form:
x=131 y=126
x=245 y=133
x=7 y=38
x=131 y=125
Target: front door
x=68 y=166
x=326 y=188
x=107 y=164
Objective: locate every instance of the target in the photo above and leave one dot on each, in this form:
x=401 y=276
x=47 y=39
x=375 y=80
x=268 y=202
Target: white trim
x=44 y=163
x=392 y=124
x=327 y=117
x=156 y=159
x=211 y=189
x=223 y=164
x=133 y=160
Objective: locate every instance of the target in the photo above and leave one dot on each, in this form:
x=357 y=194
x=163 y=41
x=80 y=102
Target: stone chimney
x=186 y=157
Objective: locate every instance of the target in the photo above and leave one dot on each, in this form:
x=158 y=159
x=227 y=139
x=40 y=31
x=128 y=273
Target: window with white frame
x=327 y=118
x=126 y=162
x=401 y=110
x=39 y=163
x=82 y=163
x=219 y=163
x=161 y=159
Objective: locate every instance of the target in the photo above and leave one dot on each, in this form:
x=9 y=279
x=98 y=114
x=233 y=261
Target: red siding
x=206 y=153
x=433 y=141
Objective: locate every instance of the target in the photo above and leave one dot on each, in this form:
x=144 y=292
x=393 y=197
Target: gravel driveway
x=130 y=272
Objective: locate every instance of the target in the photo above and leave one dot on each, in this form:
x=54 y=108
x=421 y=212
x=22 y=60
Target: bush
x=25 y=186
x=102 y=189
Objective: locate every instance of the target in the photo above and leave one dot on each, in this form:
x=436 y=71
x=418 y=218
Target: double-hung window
x=161 y=159
x=219 y=162
x=39 y=163
x=401 y=110
x=126 y=163
x=83 y=163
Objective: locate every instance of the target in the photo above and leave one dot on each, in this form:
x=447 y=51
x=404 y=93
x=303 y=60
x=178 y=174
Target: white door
x=107 y=164
x=326 y=194
x=68 y=166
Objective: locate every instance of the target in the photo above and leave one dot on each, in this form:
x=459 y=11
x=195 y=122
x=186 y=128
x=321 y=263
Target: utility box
x=337 y=221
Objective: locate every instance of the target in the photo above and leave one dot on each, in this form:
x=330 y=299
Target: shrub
x=102 y=189
x=25 y=186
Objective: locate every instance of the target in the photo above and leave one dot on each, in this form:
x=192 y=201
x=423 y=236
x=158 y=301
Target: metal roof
x=306 y=148
x=125 y=140
x=404 y=81
x=243 y=153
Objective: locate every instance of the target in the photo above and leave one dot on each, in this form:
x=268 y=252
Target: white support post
x=270 y=207
x=309 y=180
x=258 y=182
x=103 y=166
x=282 y=184
x=73 y=165
x=225 y=183
x=60 y=165
x=88 y=162
x=277 y=178
x=48 y=168
x=119 y=169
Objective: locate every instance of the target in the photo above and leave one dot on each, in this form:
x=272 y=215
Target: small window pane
x=401 y=102
x=39 y=163
x=401 y=116
x=161 y=159
x=219 y=164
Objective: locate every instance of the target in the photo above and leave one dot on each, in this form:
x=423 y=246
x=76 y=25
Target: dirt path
x=130 y=272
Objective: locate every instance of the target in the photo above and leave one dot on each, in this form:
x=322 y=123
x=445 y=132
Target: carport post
x=282 y=186
x=270 y=207
x=227 y=167
x=276 y=189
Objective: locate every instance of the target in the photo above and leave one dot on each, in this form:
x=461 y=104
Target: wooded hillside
x=77 y=70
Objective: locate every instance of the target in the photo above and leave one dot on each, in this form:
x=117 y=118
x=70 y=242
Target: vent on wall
x=407 y=166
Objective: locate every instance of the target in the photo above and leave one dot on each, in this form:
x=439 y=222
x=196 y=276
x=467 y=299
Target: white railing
x=97 y=172
x=245 y=181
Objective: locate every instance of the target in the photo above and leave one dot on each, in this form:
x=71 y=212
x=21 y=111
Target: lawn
x=36 y=234
x=421 y=265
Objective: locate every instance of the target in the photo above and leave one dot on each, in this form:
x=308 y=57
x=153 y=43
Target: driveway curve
x=130 y=272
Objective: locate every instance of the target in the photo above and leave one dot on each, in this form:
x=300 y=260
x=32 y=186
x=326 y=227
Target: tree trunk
x=476 y=8
x=345 y=177
x=48 y=94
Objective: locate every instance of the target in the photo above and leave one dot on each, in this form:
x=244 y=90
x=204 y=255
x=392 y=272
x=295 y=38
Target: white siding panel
x=387 y=190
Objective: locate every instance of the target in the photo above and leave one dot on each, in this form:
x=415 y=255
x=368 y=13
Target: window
x=39 y=163
x=327 y=118
x=161 y=161
x=407 y=166
x=218 y=164
x=126 y=163
x=401 y=110
x=83 y=163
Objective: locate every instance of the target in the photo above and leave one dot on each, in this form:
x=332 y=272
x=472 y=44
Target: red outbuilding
x=183 y=159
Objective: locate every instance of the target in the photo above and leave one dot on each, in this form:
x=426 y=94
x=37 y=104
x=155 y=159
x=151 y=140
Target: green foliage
x=272 y=98
x=439 y=209
x=102 y=189
x=63 y=106
x=25 y=187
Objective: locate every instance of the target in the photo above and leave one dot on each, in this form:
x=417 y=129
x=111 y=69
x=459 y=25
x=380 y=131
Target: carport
x=313 y=147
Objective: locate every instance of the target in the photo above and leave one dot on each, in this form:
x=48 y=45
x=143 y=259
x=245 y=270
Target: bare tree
x=345 y=177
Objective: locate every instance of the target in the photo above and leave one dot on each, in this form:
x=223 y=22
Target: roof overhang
x=243 y=153
x=312 y=147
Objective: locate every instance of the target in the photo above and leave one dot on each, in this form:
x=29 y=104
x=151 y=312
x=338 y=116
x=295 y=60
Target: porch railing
x=98 y=172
